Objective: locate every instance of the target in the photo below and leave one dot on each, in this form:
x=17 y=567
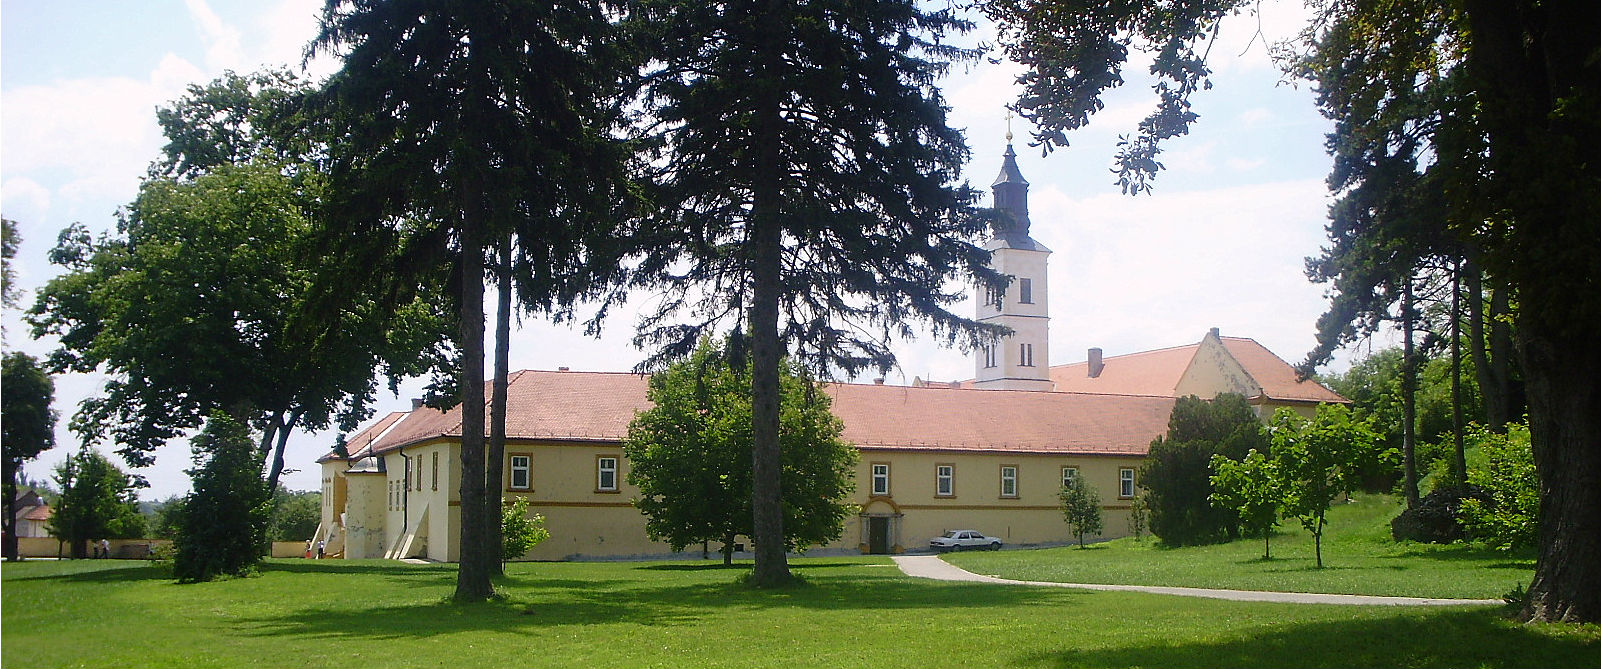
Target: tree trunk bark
x=1565 y=428
x=1533 y=67
x=1459 y=468
x=1409 y=392
x=765 y=257
x=473 y=575
x=494 y=464
x=276 y=469
x=10 y=521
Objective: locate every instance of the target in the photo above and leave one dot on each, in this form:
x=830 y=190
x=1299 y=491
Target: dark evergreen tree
x=27 y=427
x=463 y=125
x=806 y=194
x=223 y=523
x=1177 y=471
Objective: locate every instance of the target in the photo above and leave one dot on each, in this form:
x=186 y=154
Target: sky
x=1221 y=242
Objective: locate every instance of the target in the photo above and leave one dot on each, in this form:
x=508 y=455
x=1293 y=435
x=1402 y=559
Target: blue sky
x=1220 y=244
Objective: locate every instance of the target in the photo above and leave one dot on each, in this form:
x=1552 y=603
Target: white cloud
x=1255 y=116
x=223 y=49
x=1244 y=164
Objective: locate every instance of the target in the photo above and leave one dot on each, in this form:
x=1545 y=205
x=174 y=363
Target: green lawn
x=1358 y=557
x=858 y=612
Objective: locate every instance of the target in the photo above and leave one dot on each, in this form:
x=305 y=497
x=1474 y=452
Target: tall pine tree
x=806 y=190
x=469 y=124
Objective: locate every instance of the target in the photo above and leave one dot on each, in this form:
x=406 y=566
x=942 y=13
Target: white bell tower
x=1021 y=361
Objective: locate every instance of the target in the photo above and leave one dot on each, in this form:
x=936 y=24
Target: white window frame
x=1009 y=481
x=526 y=469
x=1069 y=473
x=945 y=480
x=1125 y=482
x=601 y=470
x=880 y=478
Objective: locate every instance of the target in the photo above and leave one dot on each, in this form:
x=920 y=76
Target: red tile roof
x=597 y=406
x=1276 y=377
x=1158 y=373
x=1154 y=373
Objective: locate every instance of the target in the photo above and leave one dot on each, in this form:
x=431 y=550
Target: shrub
x=223 y=523
x=519 y=531
x=1508 y=519
x=1177 y=470
x=1437 y=519
x=1081 y=508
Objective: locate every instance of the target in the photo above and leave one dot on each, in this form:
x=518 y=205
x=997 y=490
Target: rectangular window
x=406 y=477
x=989 y=356
x=1025 y=355
x=1125 y=483
x=1068 y=474
x=606 y=474
x=1025 y=290
x=944 y=480
x=880 y=478
x=520 y=471
x=436 y=471
x=1008 y=481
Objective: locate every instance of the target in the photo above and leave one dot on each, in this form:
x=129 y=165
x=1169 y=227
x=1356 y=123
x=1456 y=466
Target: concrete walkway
x=931 y=566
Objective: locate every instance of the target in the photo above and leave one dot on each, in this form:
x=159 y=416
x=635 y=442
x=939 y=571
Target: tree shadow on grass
x=1444 y=639
x=116 y=573
x=535 y=605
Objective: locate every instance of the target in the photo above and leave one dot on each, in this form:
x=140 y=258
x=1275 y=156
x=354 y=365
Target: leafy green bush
x=1510 y=519
x=520 y=532
x=1081 y=508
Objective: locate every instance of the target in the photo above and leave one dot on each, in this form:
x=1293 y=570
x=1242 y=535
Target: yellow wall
x=584 y=522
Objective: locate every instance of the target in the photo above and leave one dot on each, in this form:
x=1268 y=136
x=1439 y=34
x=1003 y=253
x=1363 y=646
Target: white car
x=958 y=540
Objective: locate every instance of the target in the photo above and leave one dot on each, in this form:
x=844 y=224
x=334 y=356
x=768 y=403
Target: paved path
x=930 y=566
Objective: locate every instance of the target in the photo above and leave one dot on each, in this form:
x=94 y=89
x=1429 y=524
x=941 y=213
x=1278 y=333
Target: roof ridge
x=1128 y=355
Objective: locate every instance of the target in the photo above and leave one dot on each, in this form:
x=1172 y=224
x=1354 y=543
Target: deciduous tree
x=1318 y=460
x=690 y=456
x=1081 y=508
x=98 y=501
x=27 y=427
x=1254 y=488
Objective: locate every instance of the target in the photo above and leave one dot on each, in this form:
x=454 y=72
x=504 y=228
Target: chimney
x=416 y=403
x=1214 y=333
x=878 y=381
x=1095 y=363
x=563 y=369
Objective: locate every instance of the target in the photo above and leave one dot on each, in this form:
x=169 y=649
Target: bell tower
x=1022 y=360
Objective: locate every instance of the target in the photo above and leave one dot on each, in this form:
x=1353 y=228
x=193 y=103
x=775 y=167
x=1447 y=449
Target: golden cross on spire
x=1008 y=126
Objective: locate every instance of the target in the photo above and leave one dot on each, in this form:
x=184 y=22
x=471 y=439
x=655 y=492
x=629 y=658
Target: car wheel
x=995 y=546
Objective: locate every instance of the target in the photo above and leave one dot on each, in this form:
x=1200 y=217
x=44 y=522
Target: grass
x=858 y=612
x=1358 y=557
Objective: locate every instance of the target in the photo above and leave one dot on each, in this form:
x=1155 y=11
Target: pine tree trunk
x=1409 y=392
x=494 y=463
x=766 y=267
x=1459 y=468
x=473 y=575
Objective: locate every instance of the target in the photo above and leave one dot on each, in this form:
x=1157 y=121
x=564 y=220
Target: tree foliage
x=9 y=243
x=1254 y=488
x=27 y=427
x=690 y=456
x=520 y=531
x=224 y=521
x=1177 y=469
x=295 y=515
x=1081 y=508
x=1318 y=461
x=466 y=126
x=806 y=192
x=1509 y=519
x=217 y=261
x=98 y=501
